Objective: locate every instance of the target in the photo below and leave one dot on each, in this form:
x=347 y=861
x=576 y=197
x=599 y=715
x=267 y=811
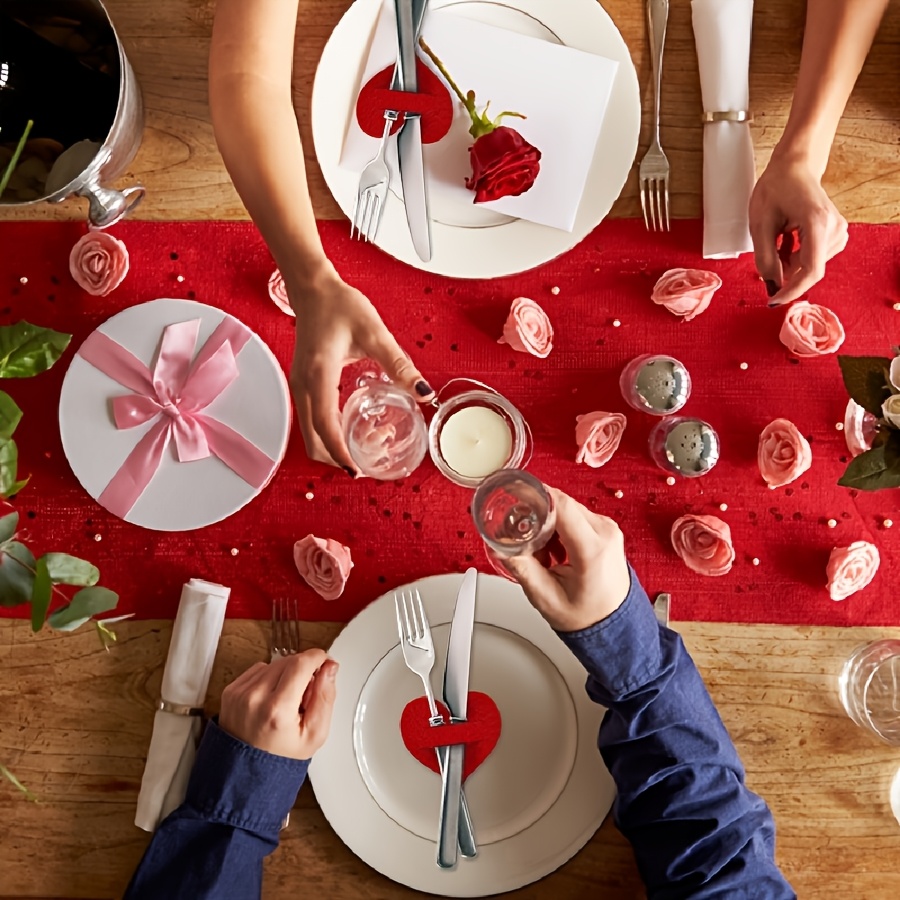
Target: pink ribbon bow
x=175 y=393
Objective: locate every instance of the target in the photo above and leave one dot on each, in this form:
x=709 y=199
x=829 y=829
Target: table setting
x=745 y=452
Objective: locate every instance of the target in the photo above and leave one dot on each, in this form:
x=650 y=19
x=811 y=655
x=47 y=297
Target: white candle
x=476 y=441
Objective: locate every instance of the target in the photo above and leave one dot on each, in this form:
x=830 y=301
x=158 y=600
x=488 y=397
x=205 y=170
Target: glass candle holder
x=514 y=514
x=384 y=429
x=684 y=446
x=475 y=434
x=869 y=687
x=860 y=428
x=659 y=385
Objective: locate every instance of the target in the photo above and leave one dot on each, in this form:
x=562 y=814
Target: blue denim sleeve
x=214 y=844
x=696 y=830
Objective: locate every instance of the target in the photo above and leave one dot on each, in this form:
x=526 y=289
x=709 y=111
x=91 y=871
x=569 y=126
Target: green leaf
x=874 y=470
x=5 y=773
x=16 y=574
x=10 y=415
x=41 y=592
x=8 y=526
x=17 y=486
x=9 y=465
x=86 y=603
x=65 y=569
x=27 y=349
x=866 y=380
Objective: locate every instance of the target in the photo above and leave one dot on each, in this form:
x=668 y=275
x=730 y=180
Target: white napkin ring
x=179 y=709
x=727 y=115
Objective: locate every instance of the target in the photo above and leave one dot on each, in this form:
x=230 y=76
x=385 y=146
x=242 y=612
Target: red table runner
x=402 y=531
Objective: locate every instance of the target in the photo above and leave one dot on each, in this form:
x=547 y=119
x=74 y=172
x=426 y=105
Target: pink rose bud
x=98 y=263
x=704 y=544
x=528 y=329
x=809 y=330
x=324 y=565
x=852 y=568
x=783 y=454
x=278 y=293
x=598 y=435
x=686 y=292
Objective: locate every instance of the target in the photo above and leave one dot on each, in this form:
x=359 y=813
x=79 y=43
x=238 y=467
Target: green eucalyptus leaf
x=86 y=603
x=65 y=569
x=875 y=470
x=10 y=415
x=9 y=465
x=8 y=526
x=17 y=486
x=27 y=349
x=16 y=574
x=866 y=380
x=41 y=592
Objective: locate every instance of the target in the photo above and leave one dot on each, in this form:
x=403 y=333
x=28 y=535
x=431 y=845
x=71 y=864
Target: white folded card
x=563 y=92
x=192 y=651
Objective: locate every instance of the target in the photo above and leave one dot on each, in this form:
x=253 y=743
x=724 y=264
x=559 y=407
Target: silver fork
x=285 y=639
x=374 y=184
x=654 y=171
x=418 y=654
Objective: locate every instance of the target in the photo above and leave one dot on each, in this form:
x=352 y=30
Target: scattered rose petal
x=598 y=435
x=686 y=292
x=809 y=330
x=704 y=544
x=783 y=454
x=98 y=263
x=528 y=329
x=323 y=564
x=278 y=293
x=852 y=568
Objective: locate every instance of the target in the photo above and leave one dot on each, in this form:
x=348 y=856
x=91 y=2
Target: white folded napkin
x=195 y=637
x=722 y=31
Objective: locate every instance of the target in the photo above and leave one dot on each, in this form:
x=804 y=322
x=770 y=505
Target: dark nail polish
x=774 y=305
x=349 y=471
x=771 y=287
x=423 y=389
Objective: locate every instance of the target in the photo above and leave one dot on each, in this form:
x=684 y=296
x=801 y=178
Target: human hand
x=788 y=197
x=336 y=325
x=595 y=580
x=283 y=707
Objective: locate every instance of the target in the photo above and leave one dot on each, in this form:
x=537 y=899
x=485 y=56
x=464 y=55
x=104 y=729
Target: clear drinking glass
x=684 y=446
x=655 y=384
x=514 y=514
x=870 y=689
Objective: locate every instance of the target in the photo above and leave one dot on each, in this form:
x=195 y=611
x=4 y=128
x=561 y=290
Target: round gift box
x=180 y=496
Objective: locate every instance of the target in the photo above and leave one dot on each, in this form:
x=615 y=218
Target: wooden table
x=75 y=721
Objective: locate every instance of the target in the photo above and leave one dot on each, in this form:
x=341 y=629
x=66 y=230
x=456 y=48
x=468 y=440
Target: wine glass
x=514 y=515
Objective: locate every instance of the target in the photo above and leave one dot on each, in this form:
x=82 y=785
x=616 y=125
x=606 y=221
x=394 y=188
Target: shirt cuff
x=242 y=786
x=622 y=652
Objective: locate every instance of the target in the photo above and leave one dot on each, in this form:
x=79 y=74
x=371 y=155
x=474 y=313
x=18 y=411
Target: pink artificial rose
x=810 y=330
x=783 y=454
x=278 y=293
x=686 y=292
x=323 y=564
x=528 y=329
x=850 y=569
x=704 y=544
x=98 y=263
x=598 y=435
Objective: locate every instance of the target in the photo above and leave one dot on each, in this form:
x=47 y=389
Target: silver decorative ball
x=689 y=447
x=659 y=385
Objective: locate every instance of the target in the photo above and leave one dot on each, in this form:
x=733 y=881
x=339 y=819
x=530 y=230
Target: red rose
x=504 y=164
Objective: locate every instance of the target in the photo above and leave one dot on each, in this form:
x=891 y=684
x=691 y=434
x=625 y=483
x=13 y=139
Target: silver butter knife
x=409 y=138
x=456 y=696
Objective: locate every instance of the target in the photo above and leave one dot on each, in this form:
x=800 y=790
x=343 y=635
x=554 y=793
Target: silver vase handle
x=107 y=206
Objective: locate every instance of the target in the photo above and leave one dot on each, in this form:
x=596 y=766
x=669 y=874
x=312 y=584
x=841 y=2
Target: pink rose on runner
x=528 y=329
x=598 y=435
x=686 y=292
x=278 y=293
x=852 y=568
x=324 y=565
x=810 y=330
x=98 y=263
x=783 y=454
x=704 y=544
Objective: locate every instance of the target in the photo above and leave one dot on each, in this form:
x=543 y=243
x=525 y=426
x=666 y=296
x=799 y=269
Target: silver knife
x=456 y=696
x=409 y=138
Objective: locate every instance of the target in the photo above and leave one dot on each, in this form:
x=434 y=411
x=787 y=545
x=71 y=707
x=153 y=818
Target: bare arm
x=789 y=195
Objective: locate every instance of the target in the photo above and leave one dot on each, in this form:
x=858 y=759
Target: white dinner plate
x=535 y=801
x=180 y=496
x=500 y=246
